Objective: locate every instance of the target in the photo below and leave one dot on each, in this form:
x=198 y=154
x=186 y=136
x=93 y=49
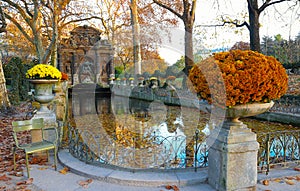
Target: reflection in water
x=136 y=134
x=133 y=134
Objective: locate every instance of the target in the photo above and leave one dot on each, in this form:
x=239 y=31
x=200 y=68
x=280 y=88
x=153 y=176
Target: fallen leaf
x=25 y=182
x=173 y=187
x=168 y=187
x=297 y=169
x=21 y=187
x=290 y=178
x=265 y=182
x=20 y=183
x=290 y=182
x=29 y=181
x=43 y=168
x=277 y=179
x=85 y=183
x=64 y=170
x=4 y=178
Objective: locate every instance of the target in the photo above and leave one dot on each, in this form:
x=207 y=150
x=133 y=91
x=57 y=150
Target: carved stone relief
x=85 y=57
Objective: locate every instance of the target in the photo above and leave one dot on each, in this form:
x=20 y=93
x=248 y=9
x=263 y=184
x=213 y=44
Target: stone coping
x=287 y=118
x=151 y=179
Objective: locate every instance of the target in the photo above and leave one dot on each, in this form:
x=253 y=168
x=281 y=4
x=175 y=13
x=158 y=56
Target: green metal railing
x=279 y=148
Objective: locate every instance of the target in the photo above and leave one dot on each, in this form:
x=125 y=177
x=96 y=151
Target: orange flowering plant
x=248 y=77
x=64 y=76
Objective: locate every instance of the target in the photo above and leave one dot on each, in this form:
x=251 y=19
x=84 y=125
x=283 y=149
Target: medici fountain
x=136 y=124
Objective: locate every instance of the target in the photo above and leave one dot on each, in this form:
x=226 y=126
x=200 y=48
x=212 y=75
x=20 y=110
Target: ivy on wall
x=17 y=84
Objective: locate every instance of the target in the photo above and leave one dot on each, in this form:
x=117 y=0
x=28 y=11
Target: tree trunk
x=137 y=59
x=188 y=48
x=38 y=42
x=188 y=18
x=254 y=27
x=54 y=42
x=4 y=101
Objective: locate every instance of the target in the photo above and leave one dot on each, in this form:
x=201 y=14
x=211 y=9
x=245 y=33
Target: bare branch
x=3 y=22
x=79 y=20
x=19 y=9
x=235 y=22
x=168 y=8
x=227 y=22
x=268 y=3
x=27 y=8
x=193 y=10
x=19 y=27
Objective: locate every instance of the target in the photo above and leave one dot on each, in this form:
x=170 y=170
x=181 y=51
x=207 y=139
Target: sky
x=272 y=23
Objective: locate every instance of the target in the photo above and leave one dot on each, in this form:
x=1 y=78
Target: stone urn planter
x=246 y=110
x=233 y=150
x=43 y=77
x=43 y=92
x=44 y=95
x=237 y=83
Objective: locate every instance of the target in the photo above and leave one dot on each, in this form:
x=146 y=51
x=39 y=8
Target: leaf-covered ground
x=11 y=179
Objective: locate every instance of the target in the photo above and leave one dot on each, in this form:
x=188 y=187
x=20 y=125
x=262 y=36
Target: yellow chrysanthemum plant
x=247 y=77
x=43 y=71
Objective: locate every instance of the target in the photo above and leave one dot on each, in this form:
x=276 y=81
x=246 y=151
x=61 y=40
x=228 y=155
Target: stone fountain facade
x=85 y=57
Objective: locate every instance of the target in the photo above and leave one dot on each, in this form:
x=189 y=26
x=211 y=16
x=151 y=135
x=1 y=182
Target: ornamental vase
x=246 y=110
x=43 y=92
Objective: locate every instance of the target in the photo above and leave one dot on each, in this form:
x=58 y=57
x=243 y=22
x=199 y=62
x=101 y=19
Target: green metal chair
x=33 y=147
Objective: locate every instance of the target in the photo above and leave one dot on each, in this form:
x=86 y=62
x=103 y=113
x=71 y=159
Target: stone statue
x=86 y=72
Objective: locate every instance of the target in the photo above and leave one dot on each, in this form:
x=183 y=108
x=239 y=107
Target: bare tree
x=137 y=59
x=4 y=101
x=124 y=20
x=45 y=19
x=254 y=10
x=184 y=10
x=113 y=17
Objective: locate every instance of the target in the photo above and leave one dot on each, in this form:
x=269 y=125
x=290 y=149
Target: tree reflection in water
x=136 y=134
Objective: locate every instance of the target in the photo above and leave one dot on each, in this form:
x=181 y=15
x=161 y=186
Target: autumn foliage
x=248 y=76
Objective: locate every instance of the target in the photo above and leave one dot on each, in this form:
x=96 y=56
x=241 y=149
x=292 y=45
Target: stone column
x=61 y=106
x=49 y=121
x=233 y=158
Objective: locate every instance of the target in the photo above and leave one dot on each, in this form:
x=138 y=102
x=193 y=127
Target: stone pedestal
x=44 y=95
x=233 y=158
x=49 y=121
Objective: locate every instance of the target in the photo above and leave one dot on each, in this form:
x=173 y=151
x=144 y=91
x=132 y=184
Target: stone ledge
x=287 y=118
x=151 y=179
